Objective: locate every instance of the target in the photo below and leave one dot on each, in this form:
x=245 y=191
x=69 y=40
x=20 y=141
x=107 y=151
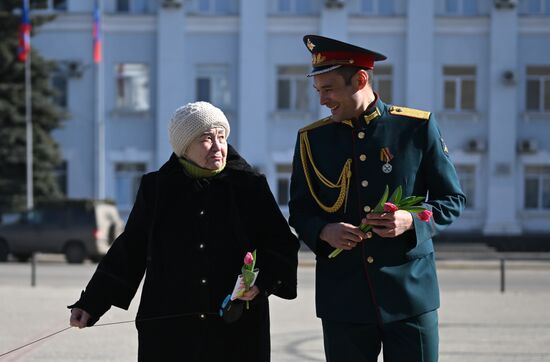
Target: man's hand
x=79 y=318
x=341 y=235
x=390 y=224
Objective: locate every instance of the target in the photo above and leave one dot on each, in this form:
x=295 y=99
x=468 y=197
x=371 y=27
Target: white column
x=420 y=54
x=334 y=24
x=501 y=196
x=253 y=106
x=172 y=83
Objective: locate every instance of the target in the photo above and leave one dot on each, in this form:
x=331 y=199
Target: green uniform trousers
x=414 y=339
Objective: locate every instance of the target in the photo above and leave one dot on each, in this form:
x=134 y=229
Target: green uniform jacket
x=382 y=279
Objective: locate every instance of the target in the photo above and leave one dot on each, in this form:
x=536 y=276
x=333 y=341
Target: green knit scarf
x=198 y=172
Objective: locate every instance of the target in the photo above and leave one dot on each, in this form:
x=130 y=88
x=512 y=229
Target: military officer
x=382 y=290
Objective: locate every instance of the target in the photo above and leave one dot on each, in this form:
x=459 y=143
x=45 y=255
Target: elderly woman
x=192 y=223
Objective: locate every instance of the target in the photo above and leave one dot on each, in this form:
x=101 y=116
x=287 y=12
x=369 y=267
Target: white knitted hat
x=192 y=120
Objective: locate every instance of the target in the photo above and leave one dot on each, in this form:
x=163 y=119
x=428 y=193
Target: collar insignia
x=348 y=122
x=369 y=117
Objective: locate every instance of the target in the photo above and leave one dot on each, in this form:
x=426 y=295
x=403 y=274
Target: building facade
x=482 y=66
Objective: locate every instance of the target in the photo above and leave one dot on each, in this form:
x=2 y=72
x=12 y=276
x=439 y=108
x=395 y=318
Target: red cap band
x=343 y=58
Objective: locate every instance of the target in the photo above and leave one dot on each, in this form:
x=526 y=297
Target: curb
x=306 y=259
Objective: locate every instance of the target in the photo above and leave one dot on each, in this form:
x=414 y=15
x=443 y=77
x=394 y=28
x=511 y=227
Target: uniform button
x=361 y=135
x=201 y=246
x=370 y=260
x=204 y=281
x=363 y=157
x=369 y=234
x=366 y=208
x=202 y=316
x=364 y=183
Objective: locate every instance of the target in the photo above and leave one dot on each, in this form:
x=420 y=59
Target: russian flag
x=97 y=33
x=24 y=47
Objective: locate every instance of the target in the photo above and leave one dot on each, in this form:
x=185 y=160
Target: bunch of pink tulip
x=424 y=215
x=412 y=204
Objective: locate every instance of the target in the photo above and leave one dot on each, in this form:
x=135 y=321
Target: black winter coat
x=189 y=236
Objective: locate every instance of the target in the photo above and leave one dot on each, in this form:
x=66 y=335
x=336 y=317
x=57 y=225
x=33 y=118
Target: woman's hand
x=251 y=294
x=79 y=318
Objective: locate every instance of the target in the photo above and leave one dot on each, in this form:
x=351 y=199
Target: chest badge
x=444 y=146
x=386 y=156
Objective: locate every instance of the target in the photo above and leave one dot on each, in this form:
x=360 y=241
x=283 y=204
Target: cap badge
x=310 y=45
x=317 y=59
x=386 y=156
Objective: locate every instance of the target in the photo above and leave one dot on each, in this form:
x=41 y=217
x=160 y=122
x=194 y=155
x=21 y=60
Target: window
x=59 y=84
x=81 y=215
x=376 y=7
x=216 y=7
x=133 y=6
x=537 y=187
x=296 y=7
x=461 y=8
x=132 y=87
x=467 y=178
x=127 y=178
x=383 y=82
x=212 y=85
x=535 y=7
x=60 y=174
x=54 y=215
x=459 y=88
x=58 y=5
x=293 y=89
x=538 y=89
x=122 y=6
x=283 y=183
x=33 y=217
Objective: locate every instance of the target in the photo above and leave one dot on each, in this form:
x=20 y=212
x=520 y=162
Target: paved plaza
x=477 y=322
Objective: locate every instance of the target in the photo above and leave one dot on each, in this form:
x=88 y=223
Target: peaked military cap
x=329 y=54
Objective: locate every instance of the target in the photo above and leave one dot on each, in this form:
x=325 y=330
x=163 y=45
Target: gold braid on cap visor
x=342 y=183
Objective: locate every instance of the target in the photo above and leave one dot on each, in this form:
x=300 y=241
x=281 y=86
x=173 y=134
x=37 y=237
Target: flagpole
x=28 y=122
x=101 y=133
x=100 y=114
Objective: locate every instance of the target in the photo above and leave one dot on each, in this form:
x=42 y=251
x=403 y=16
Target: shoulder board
x=409 y=112
x=317 y=124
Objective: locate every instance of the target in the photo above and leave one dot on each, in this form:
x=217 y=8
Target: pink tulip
x=425 y=215
x=390 y=207
x=248 y=258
